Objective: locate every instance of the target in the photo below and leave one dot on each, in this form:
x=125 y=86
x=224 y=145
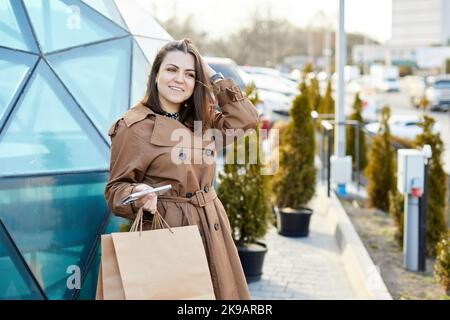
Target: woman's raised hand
x=206 y=67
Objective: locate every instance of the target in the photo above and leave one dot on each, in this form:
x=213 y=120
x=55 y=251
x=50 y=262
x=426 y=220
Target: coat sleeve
x=237 y=110
x=126 y=169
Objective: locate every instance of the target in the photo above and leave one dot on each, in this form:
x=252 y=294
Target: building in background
x=420 y=23
x=68 y=70
x=420 y=37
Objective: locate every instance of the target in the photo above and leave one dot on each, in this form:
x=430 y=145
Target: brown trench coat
x=141 y=152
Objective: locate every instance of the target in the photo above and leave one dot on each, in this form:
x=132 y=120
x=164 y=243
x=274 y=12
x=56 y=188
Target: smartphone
x=137 y=195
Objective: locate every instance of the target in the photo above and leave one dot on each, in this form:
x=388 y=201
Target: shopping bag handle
x=157 y=223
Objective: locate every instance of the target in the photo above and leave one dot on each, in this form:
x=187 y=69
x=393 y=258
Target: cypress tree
x=314 y=94
x=442 y=266
x=308 y=68
x=437 y=201
x=380 y=171
x=244 y=191
x=396 y=211
x=327 y=103
x=351 y=136
x=294 y=183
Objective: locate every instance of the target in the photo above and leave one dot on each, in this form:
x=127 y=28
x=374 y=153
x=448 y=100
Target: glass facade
x=107 y=66
x=15 y=68
x=68 y=23
x=20 y=282
x=68 y=70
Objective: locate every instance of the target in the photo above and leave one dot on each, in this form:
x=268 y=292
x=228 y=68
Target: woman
x=145 y=154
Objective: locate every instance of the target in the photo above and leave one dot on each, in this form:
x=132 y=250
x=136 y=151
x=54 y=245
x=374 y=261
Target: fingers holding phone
x=147 y=202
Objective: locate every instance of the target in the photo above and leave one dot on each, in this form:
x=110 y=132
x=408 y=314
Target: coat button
x=216 y=226
x=182 y=156
x=188 y=194
x=206 y=189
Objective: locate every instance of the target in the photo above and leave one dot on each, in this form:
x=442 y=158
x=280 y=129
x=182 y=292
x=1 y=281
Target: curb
x=363 y=274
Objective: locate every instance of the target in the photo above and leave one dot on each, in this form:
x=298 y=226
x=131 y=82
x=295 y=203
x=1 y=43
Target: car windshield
x=228 y=71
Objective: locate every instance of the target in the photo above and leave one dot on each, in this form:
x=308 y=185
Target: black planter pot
x=252 y=260
x=293 y=223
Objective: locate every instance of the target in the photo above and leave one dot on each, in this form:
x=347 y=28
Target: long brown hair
x=200 y=103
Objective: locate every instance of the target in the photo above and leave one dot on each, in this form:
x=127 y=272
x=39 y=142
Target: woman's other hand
x=147 y=202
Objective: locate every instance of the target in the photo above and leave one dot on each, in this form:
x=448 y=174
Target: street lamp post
x=340 y=106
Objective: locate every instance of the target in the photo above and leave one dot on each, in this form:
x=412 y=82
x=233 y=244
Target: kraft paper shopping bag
x=163 y=264
x=111 y=280
x=168 y=263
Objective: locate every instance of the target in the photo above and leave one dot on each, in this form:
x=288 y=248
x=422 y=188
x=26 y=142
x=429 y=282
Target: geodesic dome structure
x=68 y=69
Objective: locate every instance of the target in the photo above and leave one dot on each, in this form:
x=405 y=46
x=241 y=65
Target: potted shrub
x=244 y=192
x=294 y=183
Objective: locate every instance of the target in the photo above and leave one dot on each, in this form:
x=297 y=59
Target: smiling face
x=176 y=80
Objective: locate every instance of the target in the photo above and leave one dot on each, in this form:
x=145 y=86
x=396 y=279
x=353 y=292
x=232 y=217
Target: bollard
x=410 y=182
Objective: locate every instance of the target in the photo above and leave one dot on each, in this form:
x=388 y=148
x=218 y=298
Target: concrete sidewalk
x=308 y=268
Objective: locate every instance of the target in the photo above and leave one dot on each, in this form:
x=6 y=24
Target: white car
x=404 y=126
x=274 y=104
x=272 y=83
x=285 y=77
x=389 y=85
x=439 y=93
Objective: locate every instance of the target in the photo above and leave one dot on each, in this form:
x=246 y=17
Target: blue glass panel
x=141 y=70
x=150 y=47
x=107 y=8
x=98 y=76
x=47 y=132
x=14 y=69
x=89 y=286
x=67 y=23
x=16 y=281
x=54 y=221
x=15 y=31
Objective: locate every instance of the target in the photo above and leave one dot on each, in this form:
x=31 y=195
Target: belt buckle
x=201 y=199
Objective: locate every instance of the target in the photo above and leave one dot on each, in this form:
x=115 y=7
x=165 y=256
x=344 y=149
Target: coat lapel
x=166 y=132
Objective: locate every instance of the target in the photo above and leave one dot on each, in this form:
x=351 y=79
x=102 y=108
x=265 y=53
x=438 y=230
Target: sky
x=220 y=17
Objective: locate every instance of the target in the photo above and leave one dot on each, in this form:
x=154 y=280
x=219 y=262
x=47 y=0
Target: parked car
x=438 y=93
x=273 y=103
x=385 y=78
x=404 y=126
x=283 y=77
x=271 y=82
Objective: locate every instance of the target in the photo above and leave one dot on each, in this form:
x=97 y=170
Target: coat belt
x=199 y=199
